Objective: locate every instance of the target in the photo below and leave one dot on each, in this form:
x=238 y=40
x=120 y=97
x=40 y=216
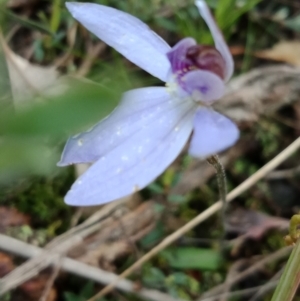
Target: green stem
x=290 y=278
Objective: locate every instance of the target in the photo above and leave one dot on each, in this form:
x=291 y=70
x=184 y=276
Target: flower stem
x=221 y=178
x=222 y=185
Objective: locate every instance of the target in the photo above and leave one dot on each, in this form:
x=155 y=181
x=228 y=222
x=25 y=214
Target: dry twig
x=20 y=248
x=284 y=174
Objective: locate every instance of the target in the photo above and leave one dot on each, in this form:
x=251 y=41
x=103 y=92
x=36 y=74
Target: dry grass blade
x=17 y=247
x=55 y=249
x=242 y=293
x=284 y=174
x=232 y=273
x=93 y=51
x=252 y=269
x=49 y=285
x=206 y=214
x=267 y=287
x=284 y=51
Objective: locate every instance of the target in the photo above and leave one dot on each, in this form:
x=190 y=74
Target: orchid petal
x=177 y=55
x=137 y=110
x=125 y=33
x=218 y=37
x=213 y=133
x=134 y=145
x=203 y=86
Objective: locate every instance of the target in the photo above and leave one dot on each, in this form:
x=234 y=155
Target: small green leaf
x=154 y=277
x=293 y=23
x=55 y=16
x=192 y=258
x=176 y=198
x=154 y=236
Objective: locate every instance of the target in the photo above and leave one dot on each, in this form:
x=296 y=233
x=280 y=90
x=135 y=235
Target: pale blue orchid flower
x=150 y=127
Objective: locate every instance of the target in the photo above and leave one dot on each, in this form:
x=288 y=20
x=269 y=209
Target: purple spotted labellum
x=147 y=131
